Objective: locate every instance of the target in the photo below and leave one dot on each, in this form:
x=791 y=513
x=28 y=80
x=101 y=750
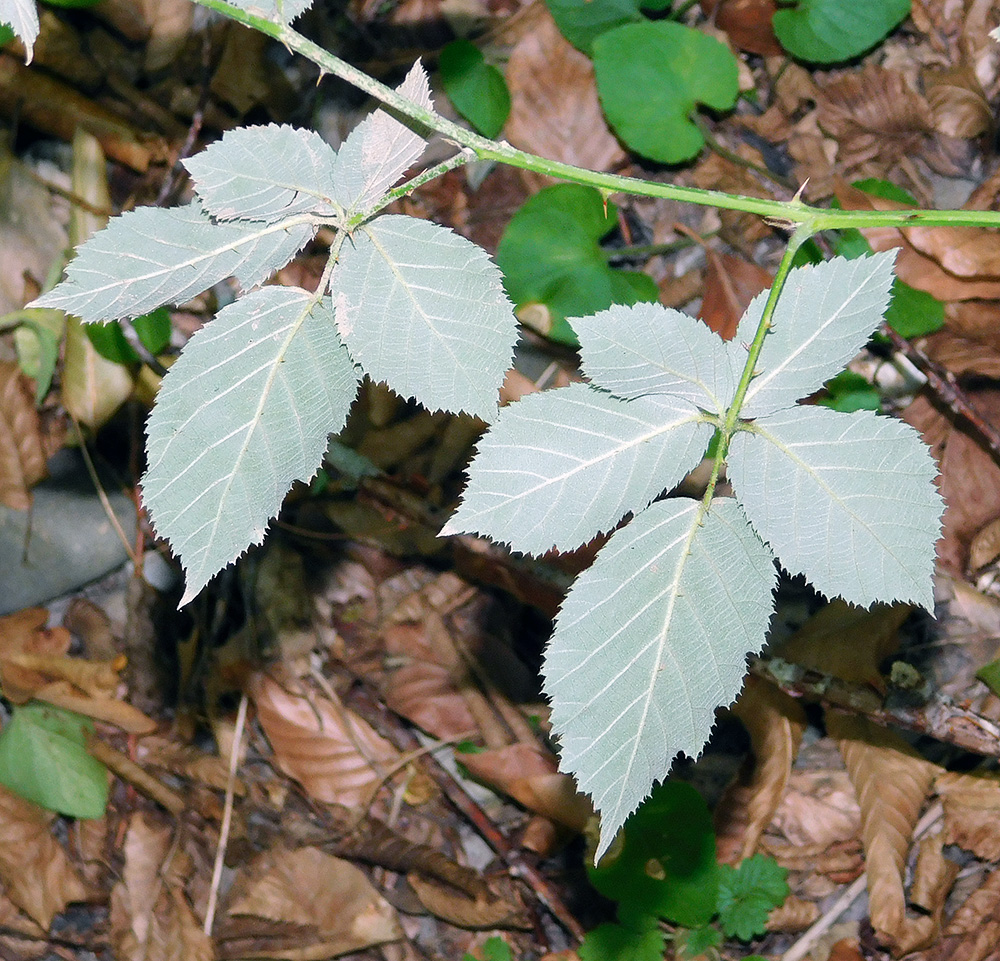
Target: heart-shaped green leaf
x=830 y=31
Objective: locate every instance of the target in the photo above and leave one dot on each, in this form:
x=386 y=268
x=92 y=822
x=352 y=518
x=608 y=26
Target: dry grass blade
x=22 y=448
x=892 y=782
x=335 y=755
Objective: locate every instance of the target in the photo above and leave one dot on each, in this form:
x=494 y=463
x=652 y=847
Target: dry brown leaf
x=776 y=723
x=969 y=477
x=875 y=116
x=35 y=871
x=892 y=782
x=715 y=172
x=554 y=107
x=529 y=774
x=336 y=756
x=972 y=812
x=25 y=632
x=948 y=262
x=120 y=713
x=985 y=546
x=819 y=810
x=933 y=878
x=793 y=914
x=730 y=284
x=847 y=642
x=328 y=897
x=974 y=931
x=959 y=107
x=748 y=23
x=22 y=448
x=425 y=694
x=490 y=910
x=188 y=762
x=151 y=919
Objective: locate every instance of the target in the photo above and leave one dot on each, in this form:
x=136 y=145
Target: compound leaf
x=22 y=15
x=649 y=642
x=380 y=149
x=561 y=466
x=265 y=173
x=244 y=412
x=424 y=310
x=848 y=500
x=830 y=31
x=651 y=349
x=277 y=11
x=825 y=315
x=151 y=256
x=651 y=76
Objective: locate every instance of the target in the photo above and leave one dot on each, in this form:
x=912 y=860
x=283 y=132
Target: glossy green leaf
x=652 y=77
x=848 y=392
x=243 y=413
x=649 y=642
x=831 y=31
x=44 y=759
x=583 y=21
x=664 y=864
x=153 y=330
x=591 y=458
x=110 y=342
x=550 y=254
x=848 y=500
x=475 y=87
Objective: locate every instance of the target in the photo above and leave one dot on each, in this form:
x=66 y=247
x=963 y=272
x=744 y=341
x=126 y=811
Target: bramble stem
x=790 y=212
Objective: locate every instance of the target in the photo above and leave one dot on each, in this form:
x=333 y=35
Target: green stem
x=731 y=419
x=783 y=212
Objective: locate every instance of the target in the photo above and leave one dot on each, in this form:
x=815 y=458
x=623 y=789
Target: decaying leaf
x=36 y=873
x=933 y=878
x=529 y=774
x=488 y=910
x=971 y=811
x=22 y=448
x=730 y=284
x=949 y=263
x=331 y=900
x=892 y=782
x=335 y=755
x=819 y=810
x=969 y=480
x=959 y=108
x=846 y=641
x=554 y=107
x=748 y=23
x=776 y=723
x=151 y=919
x=974 y=931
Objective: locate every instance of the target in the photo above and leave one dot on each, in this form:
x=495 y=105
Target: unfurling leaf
x=423 y=309
x=651 y=639
x=244 y=412
x=151 y=256
x=591 y=459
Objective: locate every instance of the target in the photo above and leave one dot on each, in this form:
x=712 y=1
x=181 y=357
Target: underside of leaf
x=650 y=641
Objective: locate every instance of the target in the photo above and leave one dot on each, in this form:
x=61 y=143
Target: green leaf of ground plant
x=237 y=177
x=650 y=640
x=43 y=758
x=591 y=458
x=848 y=500
x=424 y=310
x=583 y=21
x=619 y=942
x=747 y=895
x=664 y=865
x=651 y=77
x=152 y=256
x=830 y=31
x=243 y=413
x=550 y=254
x=475 y=87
